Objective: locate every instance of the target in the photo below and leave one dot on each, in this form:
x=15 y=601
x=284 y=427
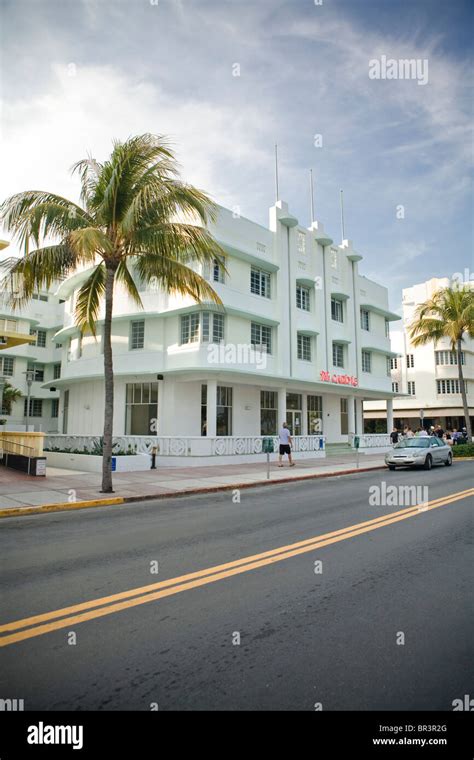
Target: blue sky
x=77 y=73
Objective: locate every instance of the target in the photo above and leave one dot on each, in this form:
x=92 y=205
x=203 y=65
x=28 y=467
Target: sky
x=227 y=79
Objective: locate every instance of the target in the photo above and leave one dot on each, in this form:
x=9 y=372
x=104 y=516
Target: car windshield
x=414 y=443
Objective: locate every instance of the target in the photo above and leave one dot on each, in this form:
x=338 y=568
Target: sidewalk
x=70 y=486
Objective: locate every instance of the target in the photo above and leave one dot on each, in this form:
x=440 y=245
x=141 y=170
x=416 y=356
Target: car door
x=436 y=451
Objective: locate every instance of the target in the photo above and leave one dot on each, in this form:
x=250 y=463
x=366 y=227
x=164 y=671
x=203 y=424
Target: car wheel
x=391 y=467
x=449 y=460
x=428 y=462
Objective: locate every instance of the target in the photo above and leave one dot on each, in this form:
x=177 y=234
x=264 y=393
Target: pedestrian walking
x=285 y=445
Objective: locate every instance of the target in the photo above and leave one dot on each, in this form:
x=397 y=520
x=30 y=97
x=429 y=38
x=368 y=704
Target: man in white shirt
x=285 y=445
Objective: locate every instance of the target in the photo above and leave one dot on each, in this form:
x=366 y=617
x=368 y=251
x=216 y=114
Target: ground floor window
x=36 y=407
x=294 y=413
x=268 y=412
x=141 y=408
x=344 y=416
x=55 y=407
x=203 y=410
x=315 y=415
x=224 y=411
x=65 y=411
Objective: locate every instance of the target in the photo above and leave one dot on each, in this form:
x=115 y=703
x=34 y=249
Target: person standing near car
x=285 y=445
x=394 y=436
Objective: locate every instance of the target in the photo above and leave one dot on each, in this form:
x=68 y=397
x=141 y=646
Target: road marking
x=153 y=592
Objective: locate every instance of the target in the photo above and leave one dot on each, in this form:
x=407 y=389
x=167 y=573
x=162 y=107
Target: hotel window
x=410 y=361
x=334 y=259
x=389 y=366
x=301 y=242
x=268 y=412
x=337 y=310
x=444 y=387
x=137 y=335
x=38 y=297
x=261 y=336
x=141 y=408
x=55 y=407
x=395 y=387
x=218 y=272
x=448 y=357
x=338 y=355
x=36 y=407
x=315 y=415
x=190 y=328
x=394 y=363
x=411 y=388
x=40 y=336
x=217 y=328
x=260 y=282
x=304 y=347
x=10 y=325
x=7 y=366
x=366 y=361
x=56 y=371
x=302 y=298
x=224 y=411
x=387 y=328
x=364 y=319
x=204 y=327
x=38 y=370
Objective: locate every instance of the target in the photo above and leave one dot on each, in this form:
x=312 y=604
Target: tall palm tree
x=449 y=313
x=10 y=395
x=135 y=218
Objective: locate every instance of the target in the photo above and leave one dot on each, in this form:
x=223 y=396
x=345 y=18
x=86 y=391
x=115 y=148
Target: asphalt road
x=332 y=637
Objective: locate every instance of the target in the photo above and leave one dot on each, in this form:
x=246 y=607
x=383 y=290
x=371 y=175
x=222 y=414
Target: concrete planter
x=90 y=463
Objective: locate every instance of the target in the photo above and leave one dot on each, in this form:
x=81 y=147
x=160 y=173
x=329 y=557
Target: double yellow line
x=27 y=628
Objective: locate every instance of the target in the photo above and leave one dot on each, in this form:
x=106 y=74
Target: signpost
x=357 y=446
x=422 y=417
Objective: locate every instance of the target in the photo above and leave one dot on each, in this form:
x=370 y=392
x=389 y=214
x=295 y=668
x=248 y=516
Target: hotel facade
x=302 y=337
x=426 y=377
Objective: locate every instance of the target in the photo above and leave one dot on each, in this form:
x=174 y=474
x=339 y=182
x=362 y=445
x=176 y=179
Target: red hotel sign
x=326 y=377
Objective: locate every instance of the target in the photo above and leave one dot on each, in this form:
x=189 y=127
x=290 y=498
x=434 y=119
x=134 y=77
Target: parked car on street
x=419 y=452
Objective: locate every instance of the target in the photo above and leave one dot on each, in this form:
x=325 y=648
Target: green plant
x=463 y=450
x=137 y=222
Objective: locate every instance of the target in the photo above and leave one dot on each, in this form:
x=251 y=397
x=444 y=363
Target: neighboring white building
x=426 y=377
x=303 y=337
x=41 y=318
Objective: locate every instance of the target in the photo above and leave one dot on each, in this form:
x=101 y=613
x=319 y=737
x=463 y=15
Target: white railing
x=371 y=440
x=183 y=446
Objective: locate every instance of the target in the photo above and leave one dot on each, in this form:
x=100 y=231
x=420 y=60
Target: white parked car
x=419 y=452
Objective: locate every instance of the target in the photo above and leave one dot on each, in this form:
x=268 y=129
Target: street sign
x=267 y=446
x=422 y=414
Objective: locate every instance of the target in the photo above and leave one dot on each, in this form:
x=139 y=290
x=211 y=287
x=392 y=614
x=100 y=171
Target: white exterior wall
x=324 y=266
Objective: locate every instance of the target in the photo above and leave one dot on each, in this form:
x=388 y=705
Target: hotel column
x=211 y=408
x=359 y=416
x=389 y=415
x=160 y=406
x=351 y=414
x=281 y=406
x=304 y=412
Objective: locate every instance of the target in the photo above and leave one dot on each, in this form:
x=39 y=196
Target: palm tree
x=135 y=218
x=10 y=395
x=449 y=313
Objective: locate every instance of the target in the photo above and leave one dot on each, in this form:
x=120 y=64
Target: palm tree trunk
x=109 y=383
x=462 y=386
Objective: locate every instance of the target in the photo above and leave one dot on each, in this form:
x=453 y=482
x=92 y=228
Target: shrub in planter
x=463 y=450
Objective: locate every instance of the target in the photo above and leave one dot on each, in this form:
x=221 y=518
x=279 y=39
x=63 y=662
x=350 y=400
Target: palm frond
x=89 y=299
x=37 y=271
x=175 y=277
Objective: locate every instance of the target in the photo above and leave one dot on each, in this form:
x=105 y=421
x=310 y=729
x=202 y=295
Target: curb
x=72 y=507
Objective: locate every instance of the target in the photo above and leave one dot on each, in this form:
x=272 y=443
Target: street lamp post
x=2 y=386
x=30 y=373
